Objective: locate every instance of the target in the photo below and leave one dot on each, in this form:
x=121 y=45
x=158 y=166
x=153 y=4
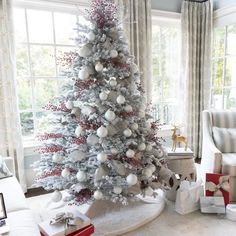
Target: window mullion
x=224 y=69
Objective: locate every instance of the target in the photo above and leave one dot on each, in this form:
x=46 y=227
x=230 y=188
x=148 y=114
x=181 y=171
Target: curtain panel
x=10 y=131
x=138 y=28
x=196 y=24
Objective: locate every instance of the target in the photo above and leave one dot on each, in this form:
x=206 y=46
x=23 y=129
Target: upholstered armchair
x=219 y=141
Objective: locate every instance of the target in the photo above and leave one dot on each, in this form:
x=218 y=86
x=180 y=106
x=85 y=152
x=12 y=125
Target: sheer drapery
x=138 y=28
x=10 y=133
x=196 y=20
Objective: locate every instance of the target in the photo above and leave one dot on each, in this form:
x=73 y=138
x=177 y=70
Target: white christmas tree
x=100 y=142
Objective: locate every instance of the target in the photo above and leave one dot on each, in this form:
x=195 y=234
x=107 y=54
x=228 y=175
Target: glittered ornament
x=69 y=105
x=92 y=139
x=113 y=82
x=113 y=53
x=130 y=153
x=120 y=99
x=85 y=50
x=103 y=96
x=81 y=176
x=77 y=155
x=127 y=132
x=56 y=196
x=102 y=132
x=110 y=115
x=134 y=126
x=91 y=36
x=65 y=173
x=141 y=146
x=128 y=108
x=83 y=74
x=147 y=172
x=98 y=195
x=117 y=190
x=79 y=131
x=131 y=179
x=102 y=157
x=148 y=191
x=98 y=67
x=57 y=157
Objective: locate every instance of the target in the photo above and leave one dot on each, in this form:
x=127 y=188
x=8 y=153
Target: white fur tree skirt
x=110 y=219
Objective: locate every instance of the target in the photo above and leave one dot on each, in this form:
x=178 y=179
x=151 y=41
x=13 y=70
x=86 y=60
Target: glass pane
x=22 y=62
x=19 y=24
x=230 y=98
x=219 y=42
x=43 y=60
x=45 y=90
x=217 y=74
x=64 y=28
x=41 y=122
x=40 y=26
x=217 y=98
x=24 y=94
x=231 y=39
x=230 y=79
x=27 y=123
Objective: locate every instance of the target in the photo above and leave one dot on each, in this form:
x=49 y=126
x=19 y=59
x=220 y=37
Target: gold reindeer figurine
x=178 y=139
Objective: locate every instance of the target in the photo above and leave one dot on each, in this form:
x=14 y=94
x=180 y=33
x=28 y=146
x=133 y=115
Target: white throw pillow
x=4 y=172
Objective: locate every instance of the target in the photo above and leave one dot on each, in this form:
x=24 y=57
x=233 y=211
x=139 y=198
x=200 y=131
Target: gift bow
x=215 y=188
x=66 y=218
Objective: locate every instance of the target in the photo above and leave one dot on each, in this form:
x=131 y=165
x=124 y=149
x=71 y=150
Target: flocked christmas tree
x=100 y=142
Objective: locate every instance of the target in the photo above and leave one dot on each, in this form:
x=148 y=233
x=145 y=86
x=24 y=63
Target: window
x=223 y=94
x=42 y=34
x=166 y=70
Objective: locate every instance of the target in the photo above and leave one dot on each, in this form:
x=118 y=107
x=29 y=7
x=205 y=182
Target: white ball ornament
x=114 y=151
x=149 y=148
x=113 y=82
x=131 y=179
x=84 y=74
x=120 y=99
x=128 y=108
x=56 y=196
x=110 y=115
x=69 y=105
x=85 y=51
x=103 y=96
x=148 y=191
x=113 y=53
x=141 y=114
x=102 y=157
x=92 y=139
x=65 y=173
x=130 y=153
x=134 y=126
x=98 y=67
x=77 y=155
x=117 y=190
x=141 y=146
x=147 y=172
x=151 y=167
x=79 y=131
x=57 y=157
x=81 y=176
x=91 y=36
x=98 y=195
x=102 y=132
x=127 y=132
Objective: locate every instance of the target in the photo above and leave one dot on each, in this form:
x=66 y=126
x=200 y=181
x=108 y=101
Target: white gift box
x=60 y=229
x=231 y=212
x=212 y=205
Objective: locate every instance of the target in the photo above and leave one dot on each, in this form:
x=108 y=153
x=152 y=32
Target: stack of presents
x=217 y=195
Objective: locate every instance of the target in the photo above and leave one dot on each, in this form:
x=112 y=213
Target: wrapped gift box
x=212 y=205
x=60 y=229
x=217 y=185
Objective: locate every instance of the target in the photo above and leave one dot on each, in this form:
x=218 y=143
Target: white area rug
x=116 y=222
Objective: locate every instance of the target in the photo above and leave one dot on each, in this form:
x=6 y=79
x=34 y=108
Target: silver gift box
x=212 y=205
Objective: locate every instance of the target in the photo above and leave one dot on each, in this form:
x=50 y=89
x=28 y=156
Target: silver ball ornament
x=141 y=146
x=113 y=53
x=98 y=67
x=81 y=176
x=110 y=115
x=98 y=195
x=131 y=179
x=102 y=157
x=120 y=99
x=130 y=153
x=134 y=126
x=102 y=132
x=117 y=190
x=149 y=148
x=103 y=96
x=65 y=173
x=113 y=82
x=128 y=108
x=84 y=74
x=127 y=132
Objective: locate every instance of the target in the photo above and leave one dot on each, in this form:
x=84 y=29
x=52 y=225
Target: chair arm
x=10 y=164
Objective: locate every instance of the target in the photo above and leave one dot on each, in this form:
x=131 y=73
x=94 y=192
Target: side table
x=182 y=163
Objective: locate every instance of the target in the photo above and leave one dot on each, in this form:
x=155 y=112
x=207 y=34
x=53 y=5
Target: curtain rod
x=200 y=1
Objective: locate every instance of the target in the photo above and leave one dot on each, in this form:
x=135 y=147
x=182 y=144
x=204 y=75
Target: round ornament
x=81 y=176
x=141 y=146
x=114 y=151
x=77 y=155
x=102 y=157
x=128 y=108
x=85 y=51
x=134 y=126
x=84 y=74
x=56 y=196
x=102 y=132
x=149 y=148
x=110 y=115
x=103 y=96
x=57 y=157
x=141 y=114
x=120 y=99
x=130 y=153
x=98 y=67
x=91 y=36
x=69 y=104
x=65 y=173
x=98 y=195
x=117 y=190
x=160 y=153
x=92 y=139
x=127 y=132
x=147 y=172
x=113 y=53
x=113 y=82
x=131 y=179
x=148 y=191
x=87 y=110
x=79 y=131
x=151 y=167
